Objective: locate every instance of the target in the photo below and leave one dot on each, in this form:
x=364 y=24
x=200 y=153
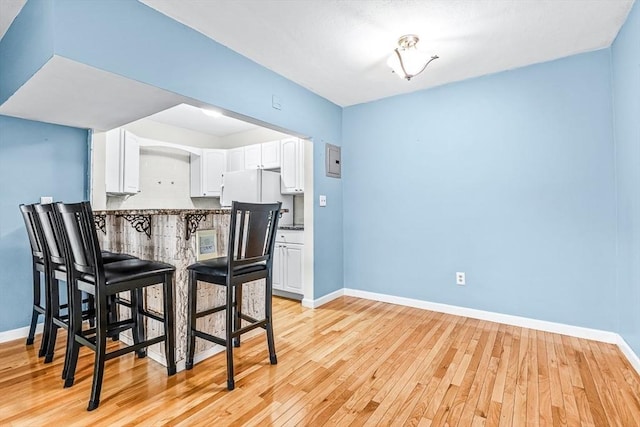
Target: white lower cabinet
x=288 y=266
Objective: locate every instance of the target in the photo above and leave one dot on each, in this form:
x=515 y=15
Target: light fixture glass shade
x=406 y=60
x=211 y=113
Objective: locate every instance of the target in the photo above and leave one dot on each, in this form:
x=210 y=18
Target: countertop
x=160 y=211
x=291 y=227
x=221 y=211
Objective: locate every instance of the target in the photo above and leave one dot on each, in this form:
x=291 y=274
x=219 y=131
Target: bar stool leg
x=192 y=294
x=137 y=301
x=36 y=302
x=170 y=340
x=101 y=351
x=229 y=336
x=75 y=328
x=54 y=311
x=237 y=320
x=268 y=305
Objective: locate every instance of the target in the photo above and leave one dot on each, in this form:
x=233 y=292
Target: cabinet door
x=235 y=159
x=252 y=156
x=271 y=155
x=277 y=279
x=288 y=172
x=131 y=163
x=293 y=264
x=300 y=167
x=213 y=167
x=113 y=162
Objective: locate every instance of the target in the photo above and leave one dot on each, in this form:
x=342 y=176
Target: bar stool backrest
x=52 y=232
x=252 y=234
x=84 y=249
x=33 y=230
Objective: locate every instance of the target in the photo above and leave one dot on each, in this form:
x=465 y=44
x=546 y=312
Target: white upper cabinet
x=292 y=170
x=253 y=156
x=271 y=155
x=122 y=162
x=206 y=173
x=262 y=156
x=235 y=159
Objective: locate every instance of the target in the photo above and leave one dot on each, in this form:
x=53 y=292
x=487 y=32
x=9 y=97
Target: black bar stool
x=38 y=265
x=103 y=281
x=56 y=272
x=251 y=242
x=48 y=259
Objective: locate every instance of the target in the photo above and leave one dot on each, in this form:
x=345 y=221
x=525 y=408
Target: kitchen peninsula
x=155 y=185
x=169 y=235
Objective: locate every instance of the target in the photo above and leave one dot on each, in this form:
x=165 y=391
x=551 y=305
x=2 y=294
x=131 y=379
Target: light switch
x=276 y=102
x=323 y=201
x=45 y=200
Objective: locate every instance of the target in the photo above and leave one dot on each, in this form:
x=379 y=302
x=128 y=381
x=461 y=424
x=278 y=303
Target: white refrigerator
x=255 y=186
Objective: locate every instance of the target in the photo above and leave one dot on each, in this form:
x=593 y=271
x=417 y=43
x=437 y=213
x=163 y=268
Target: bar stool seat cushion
x=130 y=269
x=217 y=267
x=109 y=257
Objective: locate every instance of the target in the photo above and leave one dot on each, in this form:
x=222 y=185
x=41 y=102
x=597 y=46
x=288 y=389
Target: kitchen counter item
x=291 y=227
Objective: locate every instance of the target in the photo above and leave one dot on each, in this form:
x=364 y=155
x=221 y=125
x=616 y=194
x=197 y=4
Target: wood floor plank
x=349 y=362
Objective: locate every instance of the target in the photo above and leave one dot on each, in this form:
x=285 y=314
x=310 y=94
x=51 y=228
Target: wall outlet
x=45 y=200
x=323 y=201
x=460 y=279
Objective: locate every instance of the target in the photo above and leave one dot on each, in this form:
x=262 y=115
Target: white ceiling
x=190 y=117
x=338 y=48
x=9 y=9
x=69 y=93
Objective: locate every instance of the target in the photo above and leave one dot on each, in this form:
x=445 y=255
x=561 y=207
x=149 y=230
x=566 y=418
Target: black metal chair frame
x=88 y=275
x=251 y=245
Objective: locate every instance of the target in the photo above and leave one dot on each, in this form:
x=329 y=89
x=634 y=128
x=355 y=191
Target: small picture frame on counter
x=206 y=244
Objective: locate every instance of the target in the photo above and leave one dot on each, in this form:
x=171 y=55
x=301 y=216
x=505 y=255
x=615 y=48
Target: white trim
x=523 y=322
x=148 y=142
x=315 y=303
x=18 y=333
x=631 y=356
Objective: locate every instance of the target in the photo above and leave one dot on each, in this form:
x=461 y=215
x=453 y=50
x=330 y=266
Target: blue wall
x=509 y=178
x=626 y=97
x=33 y=27
x=149 y=47
x=36 y=159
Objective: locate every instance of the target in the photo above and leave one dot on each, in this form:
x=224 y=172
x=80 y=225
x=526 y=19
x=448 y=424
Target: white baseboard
x=523 y=322
x=19 y=333
x=315 y=303
x=631 y=356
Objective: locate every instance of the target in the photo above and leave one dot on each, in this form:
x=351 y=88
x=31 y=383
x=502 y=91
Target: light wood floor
x=350 y=362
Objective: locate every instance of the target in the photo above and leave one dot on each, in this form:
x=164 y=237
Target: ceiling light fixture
x=406 y=60
x=211 y=113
